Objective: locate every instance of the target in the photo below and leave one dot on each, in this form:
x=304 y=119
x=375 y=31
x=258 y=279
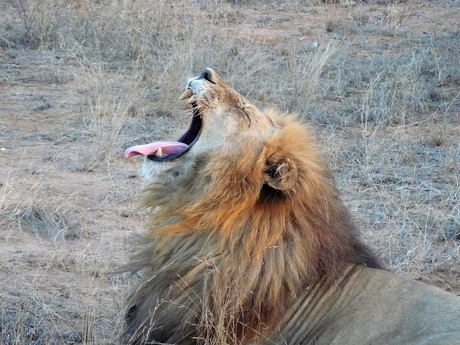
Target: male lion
x=249 y=242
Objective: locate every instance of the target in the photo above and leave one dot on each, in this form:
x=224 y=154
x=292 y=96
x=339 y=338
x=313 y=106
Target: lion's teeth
x=191 y=100
x=159 y=153
x=187 y=94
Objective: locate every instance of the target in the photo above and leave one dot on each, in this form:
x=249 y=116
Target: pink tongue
x=168 y=148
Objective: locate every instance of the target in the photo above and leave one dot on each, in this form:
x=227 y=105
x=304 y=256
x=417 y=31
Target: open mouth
x=163 y=151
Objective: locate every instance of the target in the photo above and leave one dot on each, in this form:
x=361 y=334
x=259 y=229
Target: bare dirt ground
x=69 y=200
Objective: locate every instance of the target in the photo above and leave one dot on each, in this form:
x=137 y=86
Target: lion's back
x=372 y=307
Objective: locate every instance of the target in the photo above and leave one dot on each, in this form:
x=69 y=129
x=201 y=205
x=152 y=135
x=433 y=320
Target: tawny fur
x=234 y=242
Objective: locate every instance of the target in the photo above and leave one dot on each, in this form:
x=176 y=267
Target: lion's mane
x=226 y=253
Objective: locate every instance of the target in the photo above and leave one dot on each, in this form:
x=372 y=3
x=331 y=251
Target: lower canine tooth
x=159 y=152
x=187 y=94
x=191 y=100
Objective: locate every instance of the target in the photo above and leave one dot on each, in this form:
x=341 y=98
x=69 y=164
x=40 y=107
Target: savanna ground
x=80 y=81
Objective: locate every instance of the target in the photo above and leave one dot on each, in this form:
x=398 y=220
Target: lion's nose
x=208 y=75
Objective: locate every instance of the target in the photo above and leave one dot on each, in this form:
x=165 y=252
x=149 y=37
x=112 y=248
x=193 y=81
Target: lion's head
x=223 y=124
x=244 y=218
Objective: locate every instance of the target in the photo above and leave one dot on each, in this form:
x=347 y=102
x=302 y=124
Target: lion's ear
x=281 y=174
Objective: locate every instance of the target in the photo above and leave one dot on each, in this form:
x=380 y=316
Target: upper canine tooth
x=187 y=94
x=191 y=100
x=159 y=152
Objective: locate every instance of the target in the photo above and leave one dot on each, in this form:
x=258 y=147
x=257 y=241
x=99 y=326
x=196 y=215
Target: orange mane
x=266 y=246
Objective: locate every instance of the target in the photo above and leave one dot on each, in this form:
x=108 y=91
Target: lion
x=249 y=242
